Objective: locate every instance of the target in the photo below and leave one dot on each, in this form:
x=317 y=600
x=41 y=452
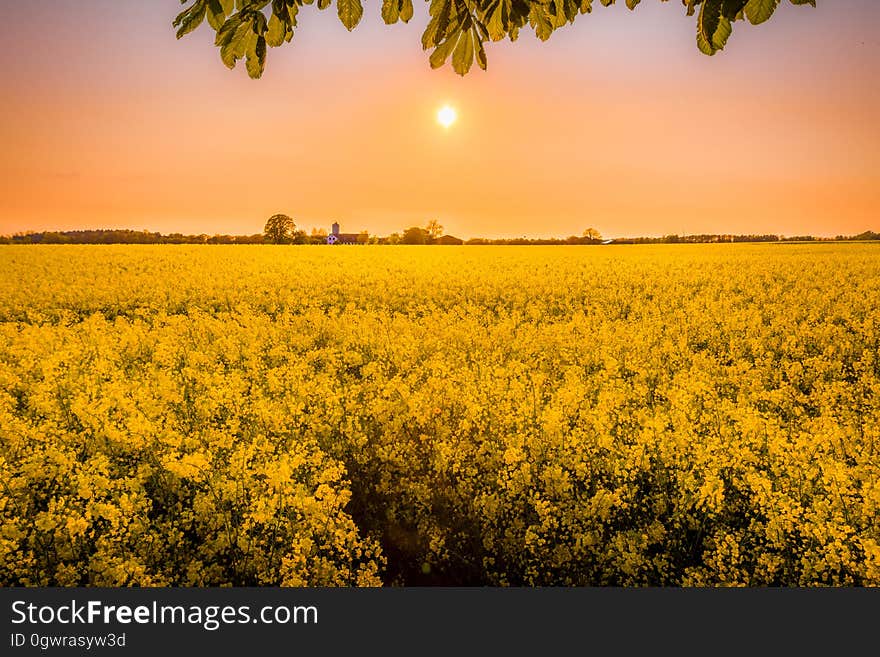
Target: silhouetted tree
x=434 y=229
x=414 y=235
x=278 y=228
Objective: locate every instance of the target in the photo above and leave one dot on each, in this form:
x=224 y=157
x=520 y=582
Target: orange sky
x=617 y=123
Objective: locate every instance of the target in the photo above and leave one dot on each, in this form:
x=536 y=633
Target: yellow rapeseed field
x=657 y=415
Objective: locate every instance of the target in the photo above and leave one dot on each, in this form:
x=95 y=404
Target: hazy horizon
x=616 y=123
x=400 y=232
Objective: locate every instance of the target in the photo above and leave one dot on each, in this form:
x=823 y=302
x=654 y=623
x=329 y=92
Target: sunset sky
x=617 y=122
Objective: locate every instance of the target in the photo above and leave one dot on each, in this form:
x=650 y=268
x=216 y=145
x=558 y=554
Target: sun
x=446 y=116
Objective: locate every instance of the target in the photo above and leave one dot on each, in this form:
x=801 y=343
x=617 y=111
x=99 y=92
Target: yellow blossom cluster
x=657 y=415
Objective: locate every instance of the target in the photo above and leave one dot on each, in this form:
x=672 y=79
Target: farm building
x=335 y=237
x=448 y=239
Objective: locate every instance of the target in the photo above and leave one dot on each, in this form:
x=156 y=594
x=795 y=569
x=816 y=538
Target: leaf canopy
x=457 y=30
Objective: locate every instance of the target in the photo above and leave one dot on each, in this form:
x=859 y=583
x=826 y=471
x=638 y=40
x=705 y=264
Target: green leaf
x=704 y=44
x=444 y=18
x=190 y=19
x=225 y=33
x=722 y=34
x=708 y=20
x=350 y=13
x=276 y=32
x=394 y=10
x=236 y=35
x=541 y=22
x=390 y=11
x=497 y=20
x=437 y=31
x=406 y=10
x=560 y=13
x=731 y=9
x=216 y=14
x=441 y=52
x=256 y=57
x=463 y=55
x=758 y=11
x=259 y=23
x=481 y=52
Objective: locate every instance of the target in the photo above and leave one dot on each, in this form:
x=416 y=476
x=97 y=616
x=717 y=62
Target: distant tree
x=393 y=239
x=414 y=235
x=592 y=234
x=278 y=228
x=54 y=238
x=256 y=238
x=363 y=237
x=434 y=229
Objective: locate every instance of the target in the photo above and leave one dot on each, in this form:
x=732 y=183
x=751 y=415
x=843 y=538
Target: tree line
x=414 y=235
x=713 y=238
x=124 y=237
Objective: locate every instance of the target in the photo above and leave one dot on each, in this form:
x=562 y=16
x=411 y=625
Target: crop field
x=360 y=416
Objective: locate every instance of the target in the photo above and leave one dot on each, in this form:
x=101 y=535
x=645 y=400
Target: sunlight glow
x=446 y=116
